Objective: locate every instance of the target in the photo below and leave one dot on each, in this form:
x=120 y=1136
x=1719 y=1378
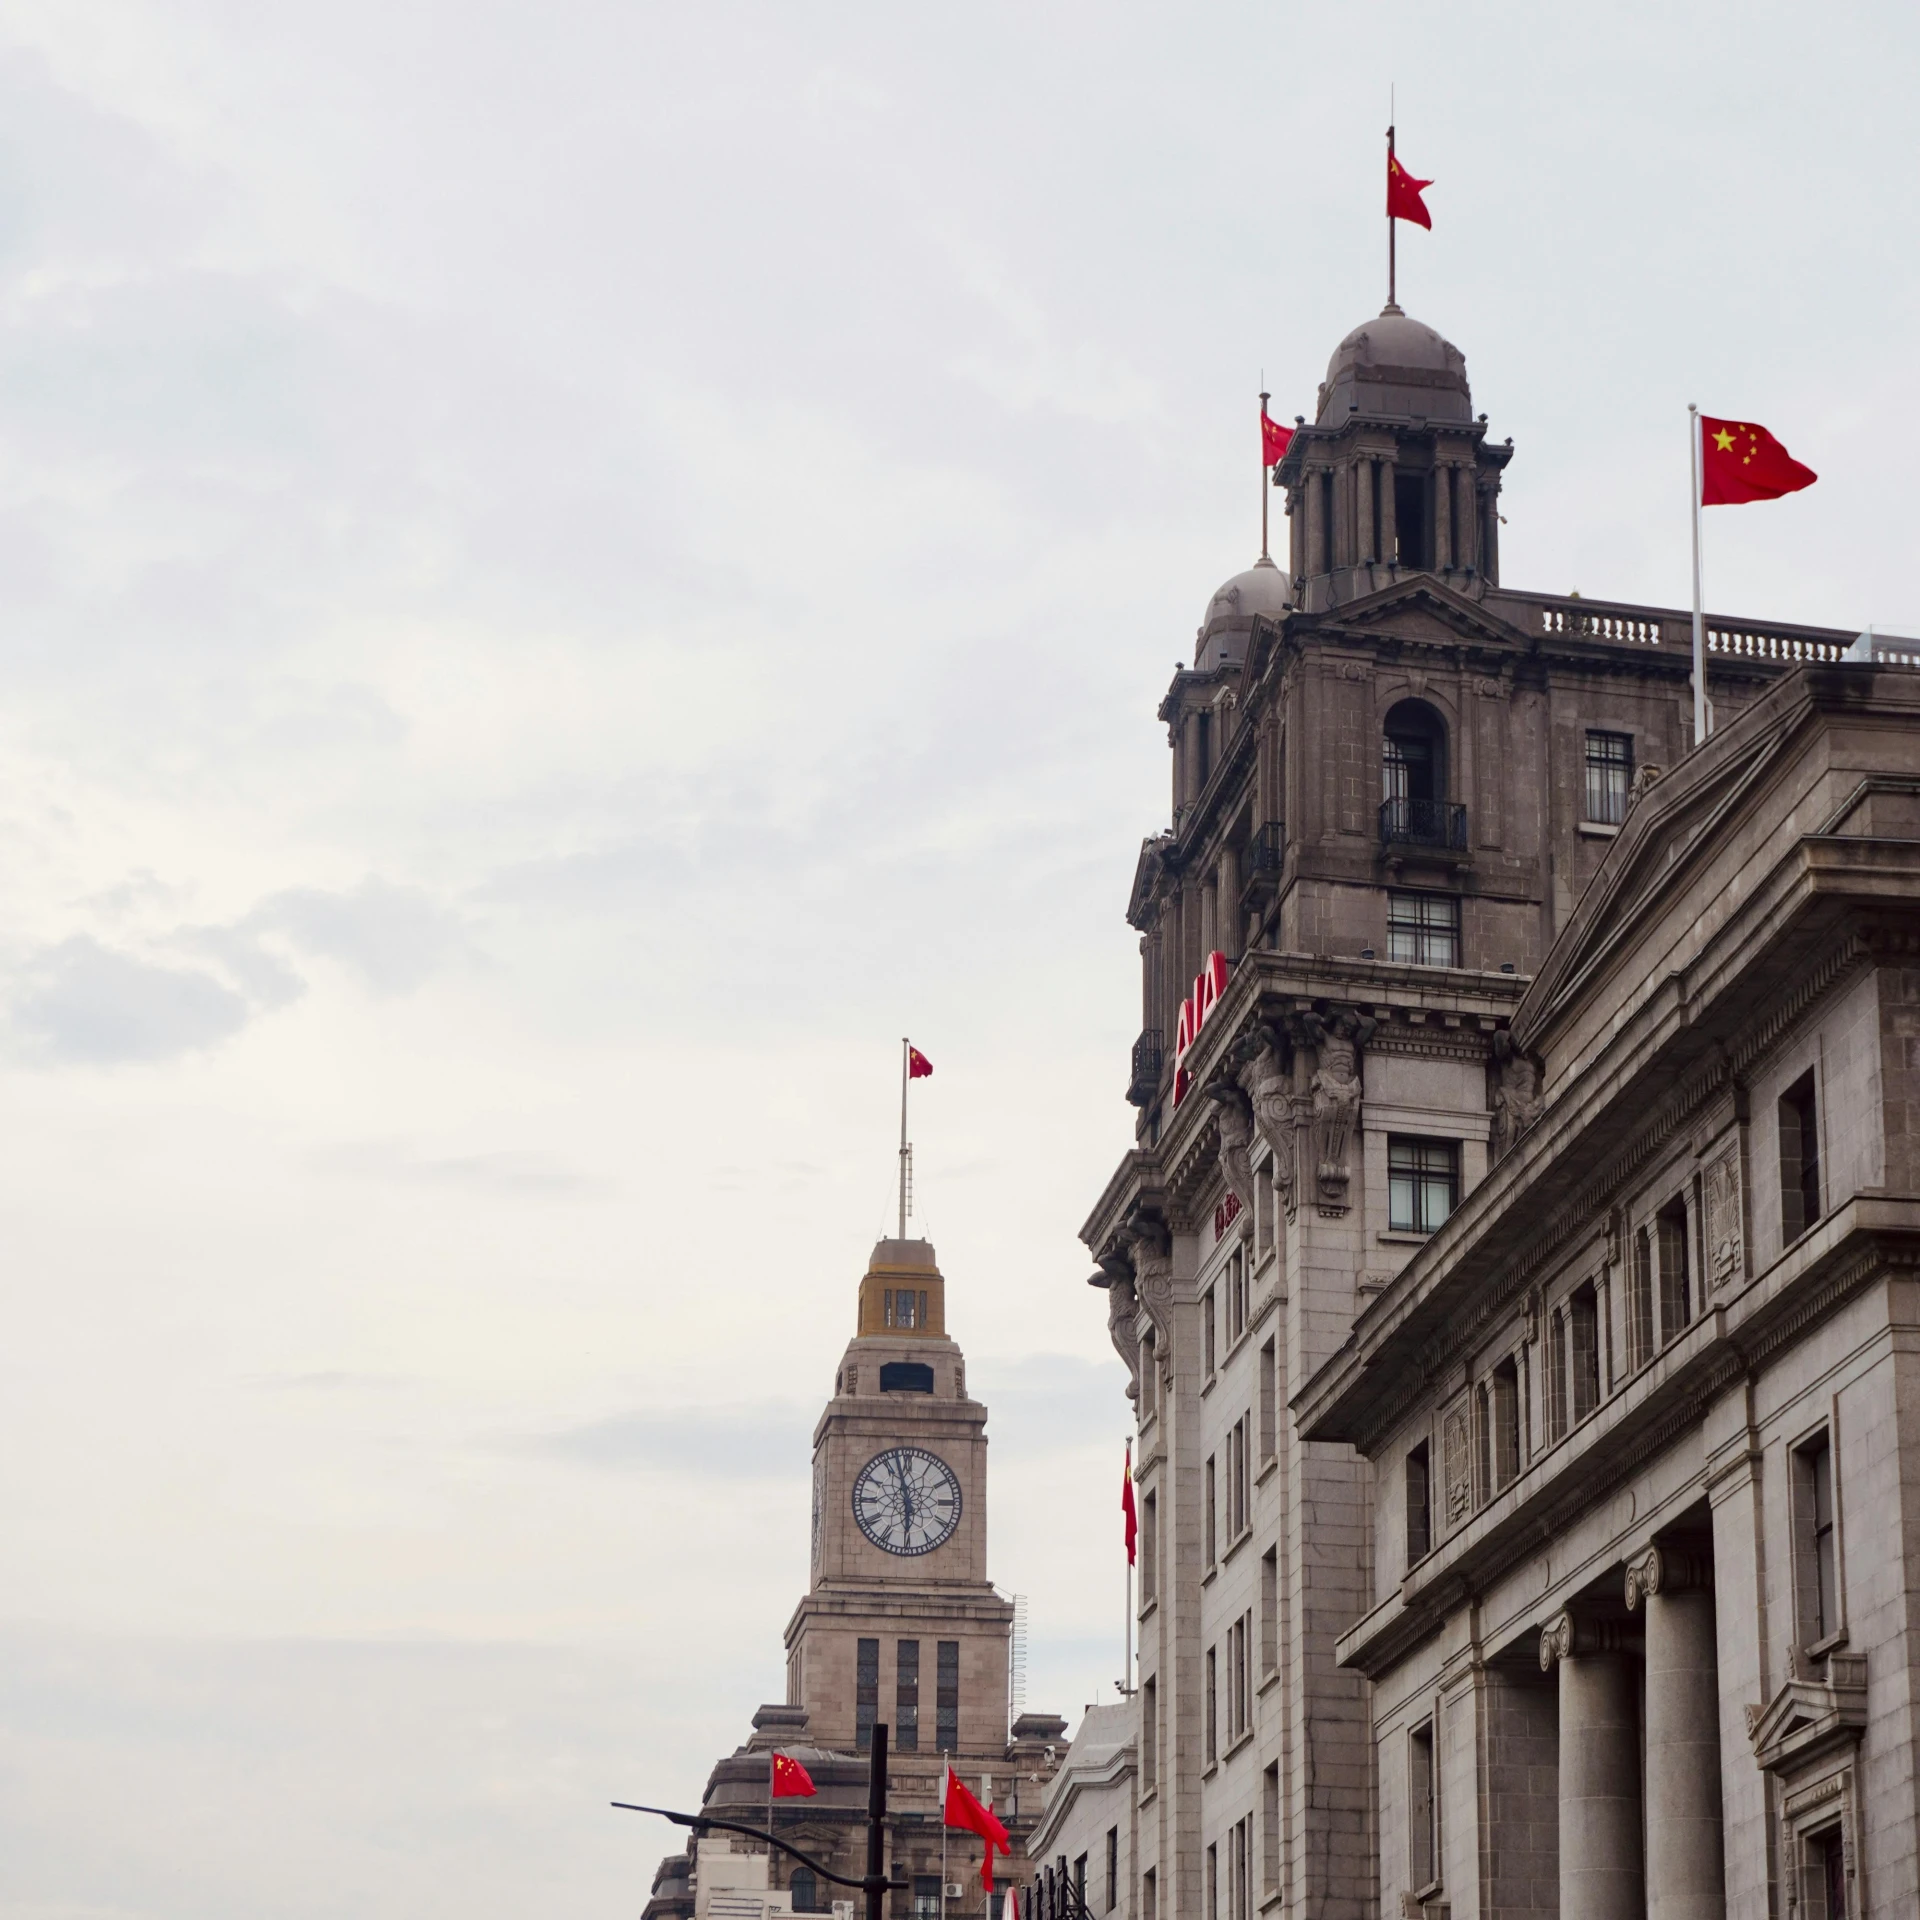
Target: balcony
x=1144 y=1080
x=1423 y=823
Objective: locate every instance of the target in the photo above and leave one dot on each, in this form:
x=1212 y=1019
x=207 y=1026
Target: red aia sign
x=1209 y=984
x=1225 y=1214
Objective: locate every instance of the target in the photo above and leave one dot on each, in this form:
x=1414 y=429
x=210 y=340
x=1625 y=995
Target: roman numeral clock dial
x=907 y=1501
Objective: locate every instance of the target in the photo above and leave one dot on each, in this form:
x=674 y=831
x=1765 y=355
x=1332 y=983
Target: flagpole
x=905 y=1054
x=1126 y=1668
x=1392 y=293
x=947 y=1768
x=1265 y=489
x=1700 y=722
x=770 y=1766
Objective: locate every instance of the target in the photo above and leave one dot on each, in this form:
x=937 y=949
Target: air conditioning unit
x=955 y=1891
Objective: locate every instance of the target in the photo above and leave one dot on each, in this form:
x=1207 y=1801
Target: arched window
x=1413 y=780
x=806 y=1891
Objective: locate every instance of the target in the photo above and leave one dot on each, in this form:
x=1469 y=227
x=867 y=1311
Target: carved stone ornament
x=1268 y=1080
x=1336 y=1096
x=1726 y=1249
x=1666 y=1570
x=1515 y=1096
x=1123 y=1321
x=1456 y=1454
x=1235 y=1121
x=1556 y=1641
x=1153 y=1279
x=1569 y=1636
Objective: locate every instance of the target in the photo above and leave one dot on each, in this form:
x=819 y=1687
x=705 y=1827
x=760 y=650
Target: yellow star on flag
x=1723 y=439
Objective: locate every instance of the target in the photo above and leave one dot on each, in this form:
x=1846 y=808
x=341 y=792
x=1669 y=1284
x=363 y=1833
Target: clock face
x=907 y=1500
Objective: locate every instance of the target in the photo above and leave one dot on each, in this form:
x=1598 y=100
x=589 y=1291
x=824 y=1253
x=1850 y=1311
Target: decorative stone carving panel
x=1726 y=1248
x=1456 y=1454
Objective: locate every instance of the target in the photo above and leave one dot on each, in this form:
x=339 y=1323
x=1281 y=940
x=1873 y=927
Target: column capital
x=1572 y=1636
x=1663 y=1570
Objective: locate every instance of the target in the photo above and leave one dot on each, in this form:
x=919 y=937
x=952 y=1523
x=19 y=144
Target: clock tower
x=899 y=1622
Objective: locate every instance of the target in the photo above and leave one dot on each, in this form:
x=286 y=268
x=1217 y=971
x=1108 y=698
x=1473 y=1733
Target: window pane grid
x=1423 y=1181
x=1609 y=776
x=1423 y=929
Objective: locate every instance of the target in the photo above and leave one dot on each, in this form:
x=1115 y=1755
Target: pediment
x=1423 y=612
x=1811 y=1715
x=1674 y=818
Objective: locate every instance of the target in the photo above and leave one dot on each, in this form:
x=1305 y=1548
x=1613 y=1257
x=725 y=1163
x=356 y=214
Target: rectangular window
x=1583 y=1351
x=1209 y=1526
x=1239 y=1676
x=1827 y=1855
x=1818 y=1569
x=1410 y=519
x=1080 y=1884
x=1423 y=1852
x=1212 y=1704
x=926 y=1896
x=1243 y=1869
x=1238 y=1450
x=1236 y=1294
x=1150 y=1548
x=866 y=1693
x=1269 y=1400
x=947 y=1700
x=1113 y=1868
x=1419 y=1505
x=1640 y=1301
x=1150 y=1894
x=1209 y=1358
x=1150 y=1734
x=1506 y=1423
x=1609 y=776
x=1269 y=1611
x=1676 y=1304
x=1423 y=1183
x=1557 y=1374
x=1799 y=1160
x=906 y=1698
x=1213 y=1883
x=1270 y=1829
x=1423 y=929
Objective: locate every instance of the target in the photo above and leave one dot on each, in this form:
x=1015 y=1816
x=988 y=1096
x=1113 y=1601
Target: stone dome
x=1263 y=588
x=1399 y=367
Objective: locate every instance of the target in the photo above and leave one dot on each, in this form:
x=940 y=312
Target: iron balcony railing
x=1144 y=1080
x=1423 y=823
x=1267 y=851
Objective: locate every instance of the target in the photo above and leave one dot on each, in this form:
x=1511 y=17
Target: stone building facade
x=1401 y=792
x=899 y=1626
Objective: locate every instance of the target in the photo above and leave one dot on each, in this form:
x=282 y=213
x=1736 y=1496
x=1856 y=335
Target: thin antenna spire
x=906 y=1056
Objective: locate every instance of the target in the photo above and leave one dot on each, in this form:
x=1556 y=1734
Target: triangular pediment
x=1668 y=824
x=1424 y=611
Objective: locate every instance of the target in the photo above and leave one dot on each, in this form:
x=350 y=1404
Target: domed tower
x=1395 y=475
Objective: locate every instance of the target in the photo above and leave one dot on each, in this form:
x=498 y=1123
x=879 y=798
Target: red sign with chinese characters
x=1208 y=985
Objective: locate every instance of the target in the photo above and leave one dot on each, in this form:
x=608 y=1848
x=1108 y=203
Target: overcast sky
x=568 y=573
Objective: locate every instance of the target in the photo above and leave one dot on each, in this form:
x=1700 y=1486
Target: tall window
x=1238 y=1515
x=906 y=1698
x=1269 y=1611
x=926 y=1896
x=1676 y=1304
x=1150 y=1547
x=1270 y=1829
x=1419 y=1505
x=1212 y=1708
x=1799 y=1160
x=1609 y=776
x=1113 y=1868
x=805 y=1890
x=1209 y=1520
x=1818 y=1570
x=905 y=1309
x=866 y=1692
x=1239 y=1677
x=1557 y=1374
x=1150 y=1734
x=1423 y=1851
x=1213 y=1882
x=1640 y=1300
x=1506 y=1423
x=1150 y=1894
x=1239 y=1864
x=1236 y=1294
x=1269 y=1399
x=1423 y=1183
x=1583 y=1350
x=947 y=1701
x=1408 y=766
x=1423 y=929
x=1209 y=1358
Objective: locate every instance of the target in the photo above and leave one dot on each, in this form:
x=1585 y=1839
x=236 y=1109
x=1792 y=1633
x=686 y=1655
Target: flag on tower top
x=1274 y=438
x=791 y=1781
x=1403 y=195
x=918 y=1065
x=963 y=1810
x=1740 y=462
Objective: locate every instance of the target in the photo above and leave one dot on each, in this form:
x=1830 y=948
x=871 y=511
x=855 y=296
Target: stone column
x=1442 y=516
x=1600 y=1877
x=1685 y=1877
x=1389 y=523
x=1363 y=471
x=1316 y=521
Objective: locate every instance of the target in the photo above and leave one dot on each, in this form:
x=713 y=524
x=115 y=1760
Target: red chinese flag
x=1403 y=195
x=963 y=1810
x=1740 y=462
x=918 y=1065
x=791 y=1781
x=1126 y=1504
x=1274 y=439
